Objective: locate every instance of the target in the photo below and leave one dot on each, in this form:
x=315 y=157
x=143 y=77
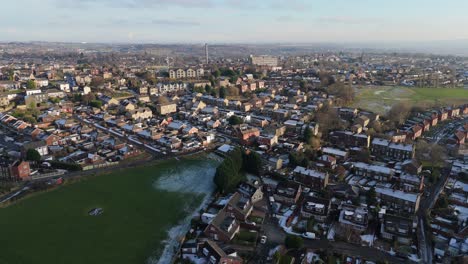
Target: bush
x=96 y=103
x=293 y=242
x=235 y=120
x=65 y=165
x=310 y=225
x=247 y=236
x=463 y=176
x=33 y=155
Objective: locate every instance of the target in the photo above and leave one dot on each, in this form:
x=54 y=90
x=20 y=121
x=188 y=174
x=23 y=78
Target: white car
x=263 y=239
x=308 y=235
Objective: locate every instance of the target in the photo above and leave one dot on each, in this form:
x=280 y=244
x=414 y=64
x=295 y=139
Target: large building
x=140 y=113
x=186 y=73
x=4 y=101
x=164 y=109
x=264 y=60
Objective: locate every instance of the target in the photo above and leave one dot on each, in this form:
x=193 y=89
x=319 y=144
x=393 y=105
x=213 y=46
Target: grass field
x=54 y=227
x=380 y=99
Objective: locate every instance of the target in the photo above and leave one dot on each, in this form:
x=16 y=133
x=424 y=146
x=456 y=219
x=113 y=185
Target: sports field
x=139 y=207
x=381 y=98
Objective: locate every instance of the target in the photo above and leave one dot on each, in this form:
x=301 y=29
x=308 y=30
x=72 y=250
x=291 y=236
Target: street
x=426 y=204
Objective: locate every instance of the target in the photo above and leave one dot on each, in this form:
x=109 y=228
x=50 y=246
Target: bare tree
x=329 y=119
x=399 y=112
x=163 y=99
x=342 y=92
x=435 y=154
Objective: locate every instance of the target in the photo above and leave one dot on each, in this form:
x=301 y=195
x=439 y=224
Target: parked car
x=263 y=239
x=308 y=235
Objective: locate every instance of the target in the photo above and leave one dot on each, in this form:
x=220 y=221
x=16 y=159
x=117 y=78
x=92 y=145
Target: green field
x=379 y=99
x=54 y=227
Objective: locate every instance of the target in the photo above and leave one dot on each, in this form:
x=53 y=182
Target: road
x=425 y=205
x=17 y=193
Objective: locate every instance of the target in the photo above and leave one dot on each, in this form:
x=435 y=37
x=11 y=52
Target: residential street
x=426 y=204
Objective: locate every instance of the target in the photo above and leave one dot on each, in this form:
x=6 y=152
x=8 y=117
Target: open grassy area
x=54 y=227
x=379 y=99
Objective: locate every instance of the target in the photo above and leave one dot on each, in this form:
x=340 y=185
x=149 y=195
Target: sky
x=233 y=21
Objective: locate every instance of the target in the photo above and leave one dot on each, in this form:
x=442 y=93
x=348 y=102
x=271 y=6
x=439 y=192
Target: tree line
x=232 y=170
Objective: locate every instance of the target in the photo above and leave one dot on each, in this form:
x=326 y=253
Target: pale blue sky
x=246 y=21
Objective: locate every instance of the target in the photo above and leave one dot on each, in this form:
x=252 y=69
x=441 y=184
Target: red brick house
x=287 y=192
x=460 y=137
x=453 y=112
x=35 y=133
x=426 y=125
x=443 y=115
x=433 y=119
x=21 y=170
x=246 y=134
x=239 y=206
x=52 y=140
x=214 y=254
x=415 y=132
x=464 y=109
x=243 y=87
x=223 y=227
x=252 y=86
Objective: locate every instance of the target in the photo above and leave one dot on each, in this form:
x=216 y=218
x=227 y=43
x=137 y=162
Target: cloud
x=136 y=3
x=284 y=19
x=160 y=21
x=170 y=22
x=9 y=30
x=297 y=5
x=346 y=20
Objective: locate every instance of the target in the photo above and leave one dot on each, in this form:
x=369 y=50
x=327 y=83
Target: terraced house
x=223 y=227
x=316 y=208
x=399 y=201
x=376 y=172
x=311 y=178
x=390 y=150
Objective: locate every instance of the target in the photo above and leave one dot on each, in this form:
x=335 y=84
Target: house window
x=213 y=260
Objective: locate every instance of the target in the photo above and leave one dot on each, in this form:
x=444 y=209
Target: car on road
x=309 y=235
x=263 y=239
